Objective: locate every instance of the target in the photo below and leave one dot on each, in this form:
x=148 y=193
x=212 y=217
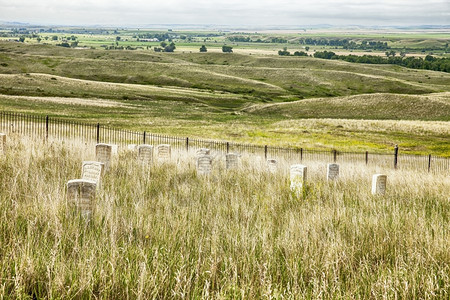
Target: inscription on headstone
x=81 y=195
x=204 y=164
x=298 y=178
x=379 y=184
x=145 y=153
x=163 y=151
x=103 y=154
x=231 y=160
x=2 y=143
x=272 y=165
x=332 y=171
x=92 y=171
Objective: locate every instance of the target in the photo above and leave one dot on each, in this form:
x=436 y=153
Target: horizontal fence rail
x=40 y=126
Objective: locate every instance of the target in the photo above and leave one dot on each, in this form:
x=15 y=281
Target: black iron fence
x=44 y=126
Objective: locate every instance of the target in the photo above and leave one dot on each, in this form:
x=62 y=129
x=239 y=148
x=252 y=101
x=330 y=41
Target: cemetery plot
x=298 y=178
x=103 y=154
x=232 y=160
x=332 y=172
x=81 y=195
x=163 y=151
x=145 y=154
x=92 y=171
x=379 y=184
x=204 y=164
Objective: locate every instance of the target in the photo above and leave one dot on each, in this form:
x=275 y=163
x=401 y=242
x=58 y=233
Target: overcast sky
x=227 y=12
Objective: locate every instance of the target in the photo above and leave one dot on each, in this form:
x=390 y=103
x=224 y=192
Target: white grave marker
x=103 y=154
x=298 y=178
x=92 y=171
x=202 y=151
x=379 y=184
x=204 y=164
x=163 y=151
x=332 y=172
x=2 y=143
x=231 y=160
x=114 y=149
x=81 y=195
x=145 y=153
x=132 y=147
x=272 y=165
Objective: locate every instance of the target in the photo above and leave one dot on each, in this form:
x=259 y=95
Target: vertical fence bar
x=301 y=154
x=334 y=155
x=367 y=157
x=429 y=163
x=187 y=144
x=98 y=133
x=265 y=152
x=228 y=147
x=395 y=156
x=144 y=136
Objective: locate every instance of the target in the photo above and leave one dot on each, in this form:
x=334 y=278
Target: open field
x=237 y=97
x=235 y=234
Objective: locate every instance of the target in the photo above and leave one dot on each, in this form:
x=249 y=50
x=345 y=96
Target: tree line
x=428 y=63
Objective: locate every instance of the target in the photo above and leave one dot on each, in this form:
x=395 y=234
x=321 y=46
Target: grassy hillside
x=170 y=233
x=226 y=96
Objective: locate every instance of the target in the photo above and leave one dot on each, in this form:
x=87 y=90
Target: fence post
x=367 y=157
x=187 y=144
x=144 y=137
x=228 y=147
x=265 y=152
x=98 y=133
x=429 y=162
x=395 y=156
x=301 y=154
x=46 y=127
x=334 y=155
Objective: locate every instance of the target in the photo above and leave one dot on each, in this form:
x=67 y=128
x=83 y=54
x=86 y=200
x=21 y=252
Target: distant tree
x=158 y=49
x=307 y=48
x=117 y=38
x=227 y=49
x=38 y=39
x=300 y=53
x=284 y=52
x=55 y=38
x=203 y=48
x=74 y=44
x=170 y=48
x=163 y=44
x=22 y=39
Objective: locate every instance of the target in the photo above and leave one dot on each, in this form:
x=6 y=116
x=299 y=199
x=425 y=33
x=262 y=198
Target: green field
x=234 y=96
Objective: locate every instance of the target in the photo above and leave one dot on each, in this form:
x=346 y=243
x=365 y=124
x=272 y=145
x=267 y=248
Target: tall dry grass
x=164 y=232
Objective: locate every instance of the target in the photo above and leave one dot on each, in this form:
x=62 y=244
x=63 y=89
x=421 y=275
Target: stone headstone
x=132 y=147
x=2 y=143
x=114 y=149
x=81 y=195
x=202 y=151
x=145 y=154
x=272 y=165
x=163 y=151
x=332 y=171
x=298 y=178
x=379 y=184
x=204 y=164
x=92 y=171
x=103 y=154
x=232 y=160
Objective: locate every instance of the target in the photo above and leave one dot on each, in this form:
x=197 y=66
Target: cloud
x=231 y=12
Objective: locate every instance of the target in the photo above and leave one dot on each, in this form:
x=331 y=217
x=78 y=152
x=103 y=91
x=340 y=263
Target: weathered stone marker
x=92 y=171
x=272 y=165
x=2 y=143
x=202 y=151
x=379 y=184
x=232 y=160
x=332 y=172
x=81 y=196
x=204 y=164
x=114 y=149
x=163 y=151
x=103 y=154
x=145 y=153
x=298 y=178
x=132 y=147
